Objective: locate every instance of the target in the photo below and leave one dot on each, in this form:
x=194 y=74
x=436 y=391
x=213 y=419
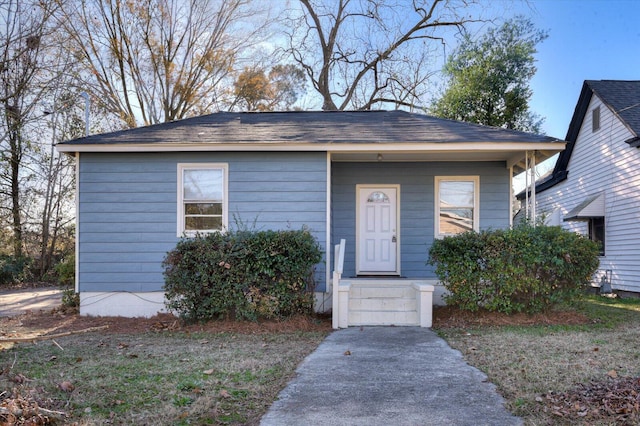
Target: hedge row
x=242 y=275
x=525 y=269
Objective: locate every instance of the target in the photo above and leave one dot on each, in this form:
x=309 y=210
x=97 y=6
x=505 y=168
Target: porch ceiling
x=511 y=158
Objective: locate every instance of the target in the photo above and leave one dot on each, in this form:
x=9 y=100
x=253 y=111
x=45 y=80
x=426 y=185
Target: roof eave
x=551 y=181
x=544 y=149
x=560 y=171
x=634 y=142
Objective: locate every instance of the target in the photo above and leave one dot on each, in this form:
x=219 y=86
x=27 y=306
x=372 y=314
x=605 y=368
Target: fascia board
x=320 y=147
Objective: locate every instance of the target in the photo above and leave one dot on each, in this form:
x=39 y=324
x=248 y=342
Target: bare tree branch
x=154 y=61
x=350 y=49
x=24 y=79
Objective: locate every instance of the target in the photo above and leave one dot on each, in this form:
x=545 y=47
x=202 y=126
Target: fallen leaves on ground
x=33 y=324
x=17 y=409
x=23 y=409
x=611 y=400
x=452 y=317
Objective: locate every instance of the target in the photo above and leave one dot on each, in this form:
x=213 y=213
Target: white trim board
x=408 y=147
x=180 y=219
x=436 y=200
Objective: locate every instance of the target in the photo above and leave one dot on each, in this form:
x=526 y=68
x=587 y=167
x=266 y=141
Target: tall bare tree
x=362 y=53
x=154 y=61
x=53 y=185
x=24 y=79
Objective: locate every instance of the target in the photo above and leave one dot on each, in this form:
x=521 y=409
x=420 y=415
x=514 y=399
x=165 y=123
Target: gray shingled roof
x=623 y=97
x=311 y=127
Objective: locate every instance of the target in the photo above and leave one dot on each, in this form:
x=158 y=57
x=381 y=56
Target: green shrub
x=525 y=269
x=14 y=269
x=66 y=271
x=242 y=275
x=70 y=299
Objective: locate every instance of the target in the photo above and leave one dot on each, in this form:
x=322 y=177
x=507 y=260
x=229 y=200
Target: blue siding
x=416 y=182
x=127 y=209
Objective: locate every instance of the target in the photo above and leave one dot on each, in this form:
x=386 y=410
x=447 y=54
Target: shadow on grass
x=610 y=312
x=601 y=312
x=585 y=314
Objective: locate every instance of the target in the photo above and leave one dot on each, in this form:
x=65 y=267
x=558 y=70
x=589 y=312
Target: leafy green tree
x=489 y=78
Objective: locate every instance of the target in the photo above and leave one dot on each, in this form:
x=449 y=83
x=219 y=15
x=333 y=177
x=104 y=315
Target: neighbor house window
x=596 y=232
x=595 y=119
x=457 y=205
x=202 y=198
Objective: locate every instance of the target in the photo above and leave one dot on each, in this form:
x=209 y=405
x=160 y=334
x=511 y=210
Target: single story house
x=594 y=188
x=386 y=182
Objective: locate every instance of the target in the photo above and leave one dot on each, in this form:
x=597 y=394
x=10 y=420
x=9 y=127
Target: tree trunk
x=15 y=163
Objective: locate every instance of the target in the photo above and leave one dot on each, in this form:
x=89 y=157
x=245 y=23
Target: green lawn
x=155 y=378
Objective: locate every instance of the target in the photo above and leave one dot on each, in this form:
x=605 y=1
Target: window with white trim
x=202 y=198
x=457 y=204
x=597 y=232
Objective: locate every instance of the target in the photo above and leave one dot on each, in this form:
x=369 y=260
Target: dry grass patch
x=541 y=369
x=192 y=375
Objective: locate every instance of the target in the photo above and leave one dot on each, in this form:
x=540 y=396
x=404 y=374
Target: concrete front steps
x=385 y=301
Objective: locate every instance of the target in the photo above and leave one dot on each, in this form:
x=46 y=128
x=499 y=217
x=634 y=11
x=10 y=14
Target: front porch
x=390 y=204
x=381 y=301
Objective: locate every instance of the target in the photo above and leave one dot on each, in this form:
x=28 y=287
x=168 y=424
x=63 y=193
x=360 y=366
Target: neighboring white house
x=595 y=186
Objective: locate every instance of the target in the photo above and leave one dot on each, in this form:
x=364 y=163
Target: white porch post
x=511 y=197
x=328 y=269
x=533 y=189
x=530 y=189
x=526 y=185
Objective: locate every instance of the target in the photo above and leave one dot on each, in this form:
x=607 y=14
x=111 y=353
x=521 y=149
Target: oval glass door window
x=378 y=197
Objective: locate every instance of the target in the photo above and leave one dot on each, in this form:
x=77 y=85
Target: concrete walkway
x=387 y=376
x=16 y=302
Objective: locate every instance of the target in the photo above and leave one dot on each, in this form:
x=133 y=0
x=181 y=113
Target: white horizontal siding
x=602 y=162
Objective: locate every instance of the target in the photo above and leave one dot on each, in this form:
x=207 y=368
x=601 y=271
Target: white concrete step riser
x=401 y=302
x=379 y=283
x=386 y=292
x=383 y=318
x=383 y=304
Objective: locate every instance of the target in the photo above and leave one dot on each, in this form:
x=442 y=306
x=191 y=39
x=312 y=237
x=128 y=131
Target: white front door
x=377 y=236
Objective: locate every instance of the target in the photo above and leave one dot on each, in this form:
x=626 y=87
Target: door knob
x=393 y=239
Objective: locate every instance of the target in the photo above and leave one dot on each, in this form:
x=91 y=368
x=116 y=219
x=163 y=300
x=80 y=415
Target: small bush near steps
x=242 y=275
x=65 y=271
x=525 y=269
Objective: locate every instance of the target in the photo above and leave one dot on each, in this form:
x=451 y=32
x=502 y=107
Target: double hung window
x=457 y=205
x=202 y=198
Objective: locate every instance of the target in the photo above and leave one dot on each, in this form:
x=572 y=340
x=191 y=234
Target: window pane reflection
x=457 y=203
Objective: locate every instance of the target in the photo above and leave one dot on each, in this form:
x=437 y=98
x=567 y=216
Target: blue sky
x=588 y=40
